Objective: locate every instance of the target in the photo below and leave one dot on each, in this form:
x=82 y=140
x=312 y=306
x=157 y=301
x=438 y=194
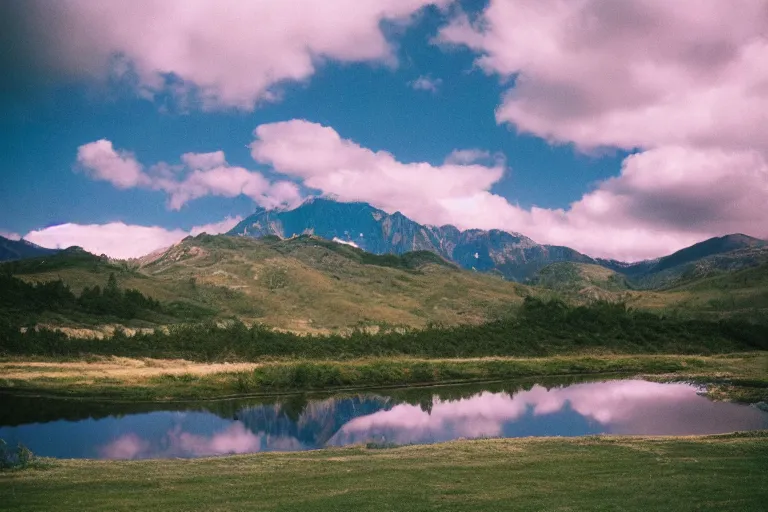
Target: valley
x=290 y=341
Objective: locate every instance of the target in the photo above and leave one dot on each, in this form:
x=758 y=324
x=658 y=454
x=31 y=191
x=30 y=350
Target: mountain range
x=511 y=255
x=309 y=284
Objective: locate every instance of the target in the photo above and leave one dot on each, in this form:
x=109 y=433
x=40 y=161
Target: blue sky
x=558 y=140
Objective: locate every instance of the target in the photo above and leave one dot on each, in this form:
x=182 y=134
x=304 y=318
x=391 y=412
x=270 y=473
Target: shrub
x=19 y=458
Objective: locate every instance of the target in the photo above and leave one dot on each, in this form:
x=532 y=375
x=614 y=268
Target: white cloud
x=228 y=54
x=686 y=81
x=345 y=242
x=426 y=83
x=120 y=240
x=326 y=162
x=467 y=156
x=216 y=228
x=636 y=73
x=204 y=161
x=10 y=235
x=202 y=174
x=101 y=162
x=664 y=199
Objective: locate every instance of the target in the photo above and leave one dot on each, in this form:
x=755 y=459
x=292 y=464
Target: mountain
x=21 y=249
x=511 y=255
x=308 y=283
x=716 y=255
x=303 y=284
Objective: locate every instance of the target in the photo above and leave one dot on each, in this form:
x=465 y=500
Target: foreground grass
x=742 y=377
x=594 y=473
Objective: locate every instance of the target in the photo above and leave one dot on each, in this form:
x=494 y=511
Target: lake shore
x=723 y=472
x=739 y=377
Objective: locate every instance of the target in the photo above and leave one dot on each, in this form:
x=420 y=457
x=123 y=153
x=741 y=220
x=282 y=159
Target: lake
x=84 y=429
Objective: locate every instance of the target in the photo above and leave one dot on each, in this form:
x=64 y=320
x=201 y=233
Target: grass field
x=713 y=473
x=742 y=377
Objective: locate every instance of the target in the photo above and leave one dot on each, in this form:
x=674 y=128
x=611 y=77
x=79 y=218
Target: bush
x=19 y=458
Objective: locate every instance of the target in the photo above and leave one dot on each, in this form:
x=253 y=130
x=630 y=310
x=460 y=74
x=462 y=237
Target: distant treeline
x=539 y=329
x=20 y=300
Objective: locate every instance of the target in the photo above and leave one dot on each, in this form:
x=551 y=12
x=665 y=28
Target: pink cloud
x=128 y=446
x=231 y=55
x=618 y=406
x=235 y=439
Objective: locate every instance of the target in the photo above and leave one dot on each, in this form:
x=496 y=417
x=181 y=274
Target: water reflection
x=412 y=416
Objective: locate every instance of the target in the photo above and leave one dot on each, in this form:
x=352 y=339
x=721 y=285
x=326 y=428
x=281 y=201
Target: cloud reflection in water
x=614 y=407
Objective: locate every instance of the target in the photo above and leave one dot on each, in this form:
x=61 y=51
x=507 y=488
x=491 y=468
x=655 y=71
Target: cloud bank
x=228 y=54
x=120 y=240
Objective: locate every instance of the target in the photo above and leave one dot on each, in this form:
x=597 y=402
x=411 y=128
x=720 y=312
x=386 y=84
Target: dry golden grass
x=122 y=368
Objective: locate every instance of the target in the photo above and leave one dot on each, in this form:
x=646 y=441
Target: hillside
x=582 y=282
x=304 y=284
x=308 y=283
x=715 y=255
x=742 y=293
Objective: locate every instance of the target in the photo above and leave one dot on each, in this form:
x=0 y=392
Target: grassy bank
x=739 y=376
x=594 y=473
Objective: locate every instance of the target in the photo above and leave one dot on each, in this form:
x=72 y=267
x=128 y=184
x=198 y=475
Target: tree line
x=540 y=328
x=21 y=301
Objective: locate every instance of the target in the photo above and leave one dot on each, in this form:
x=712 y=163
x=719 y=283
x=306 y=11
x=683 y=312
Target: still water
x=77 y=429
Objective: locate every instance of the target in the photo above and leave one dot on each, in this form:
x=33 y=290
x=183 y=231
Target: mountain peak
x=376 y=231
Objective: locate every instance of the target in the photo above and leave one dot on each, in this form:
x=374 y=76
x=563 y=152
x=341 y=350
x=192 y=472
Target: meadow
x=711 y=473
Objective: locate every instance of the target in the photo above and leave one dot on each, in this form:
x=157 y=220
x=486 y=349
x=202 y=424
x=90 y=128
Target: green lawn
x=722 y=473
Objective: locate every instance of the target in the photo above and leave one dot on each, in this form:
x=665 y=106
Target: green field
x=714 y=473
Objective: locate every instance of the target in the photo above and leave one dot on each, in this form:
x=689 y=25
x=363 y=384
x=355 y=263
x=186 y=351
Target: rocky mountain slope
x=511 y=255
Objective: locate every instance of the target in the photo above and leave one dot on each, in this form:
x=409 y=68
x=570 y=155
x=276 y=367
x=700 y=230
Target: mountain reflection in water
x=411 y=416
